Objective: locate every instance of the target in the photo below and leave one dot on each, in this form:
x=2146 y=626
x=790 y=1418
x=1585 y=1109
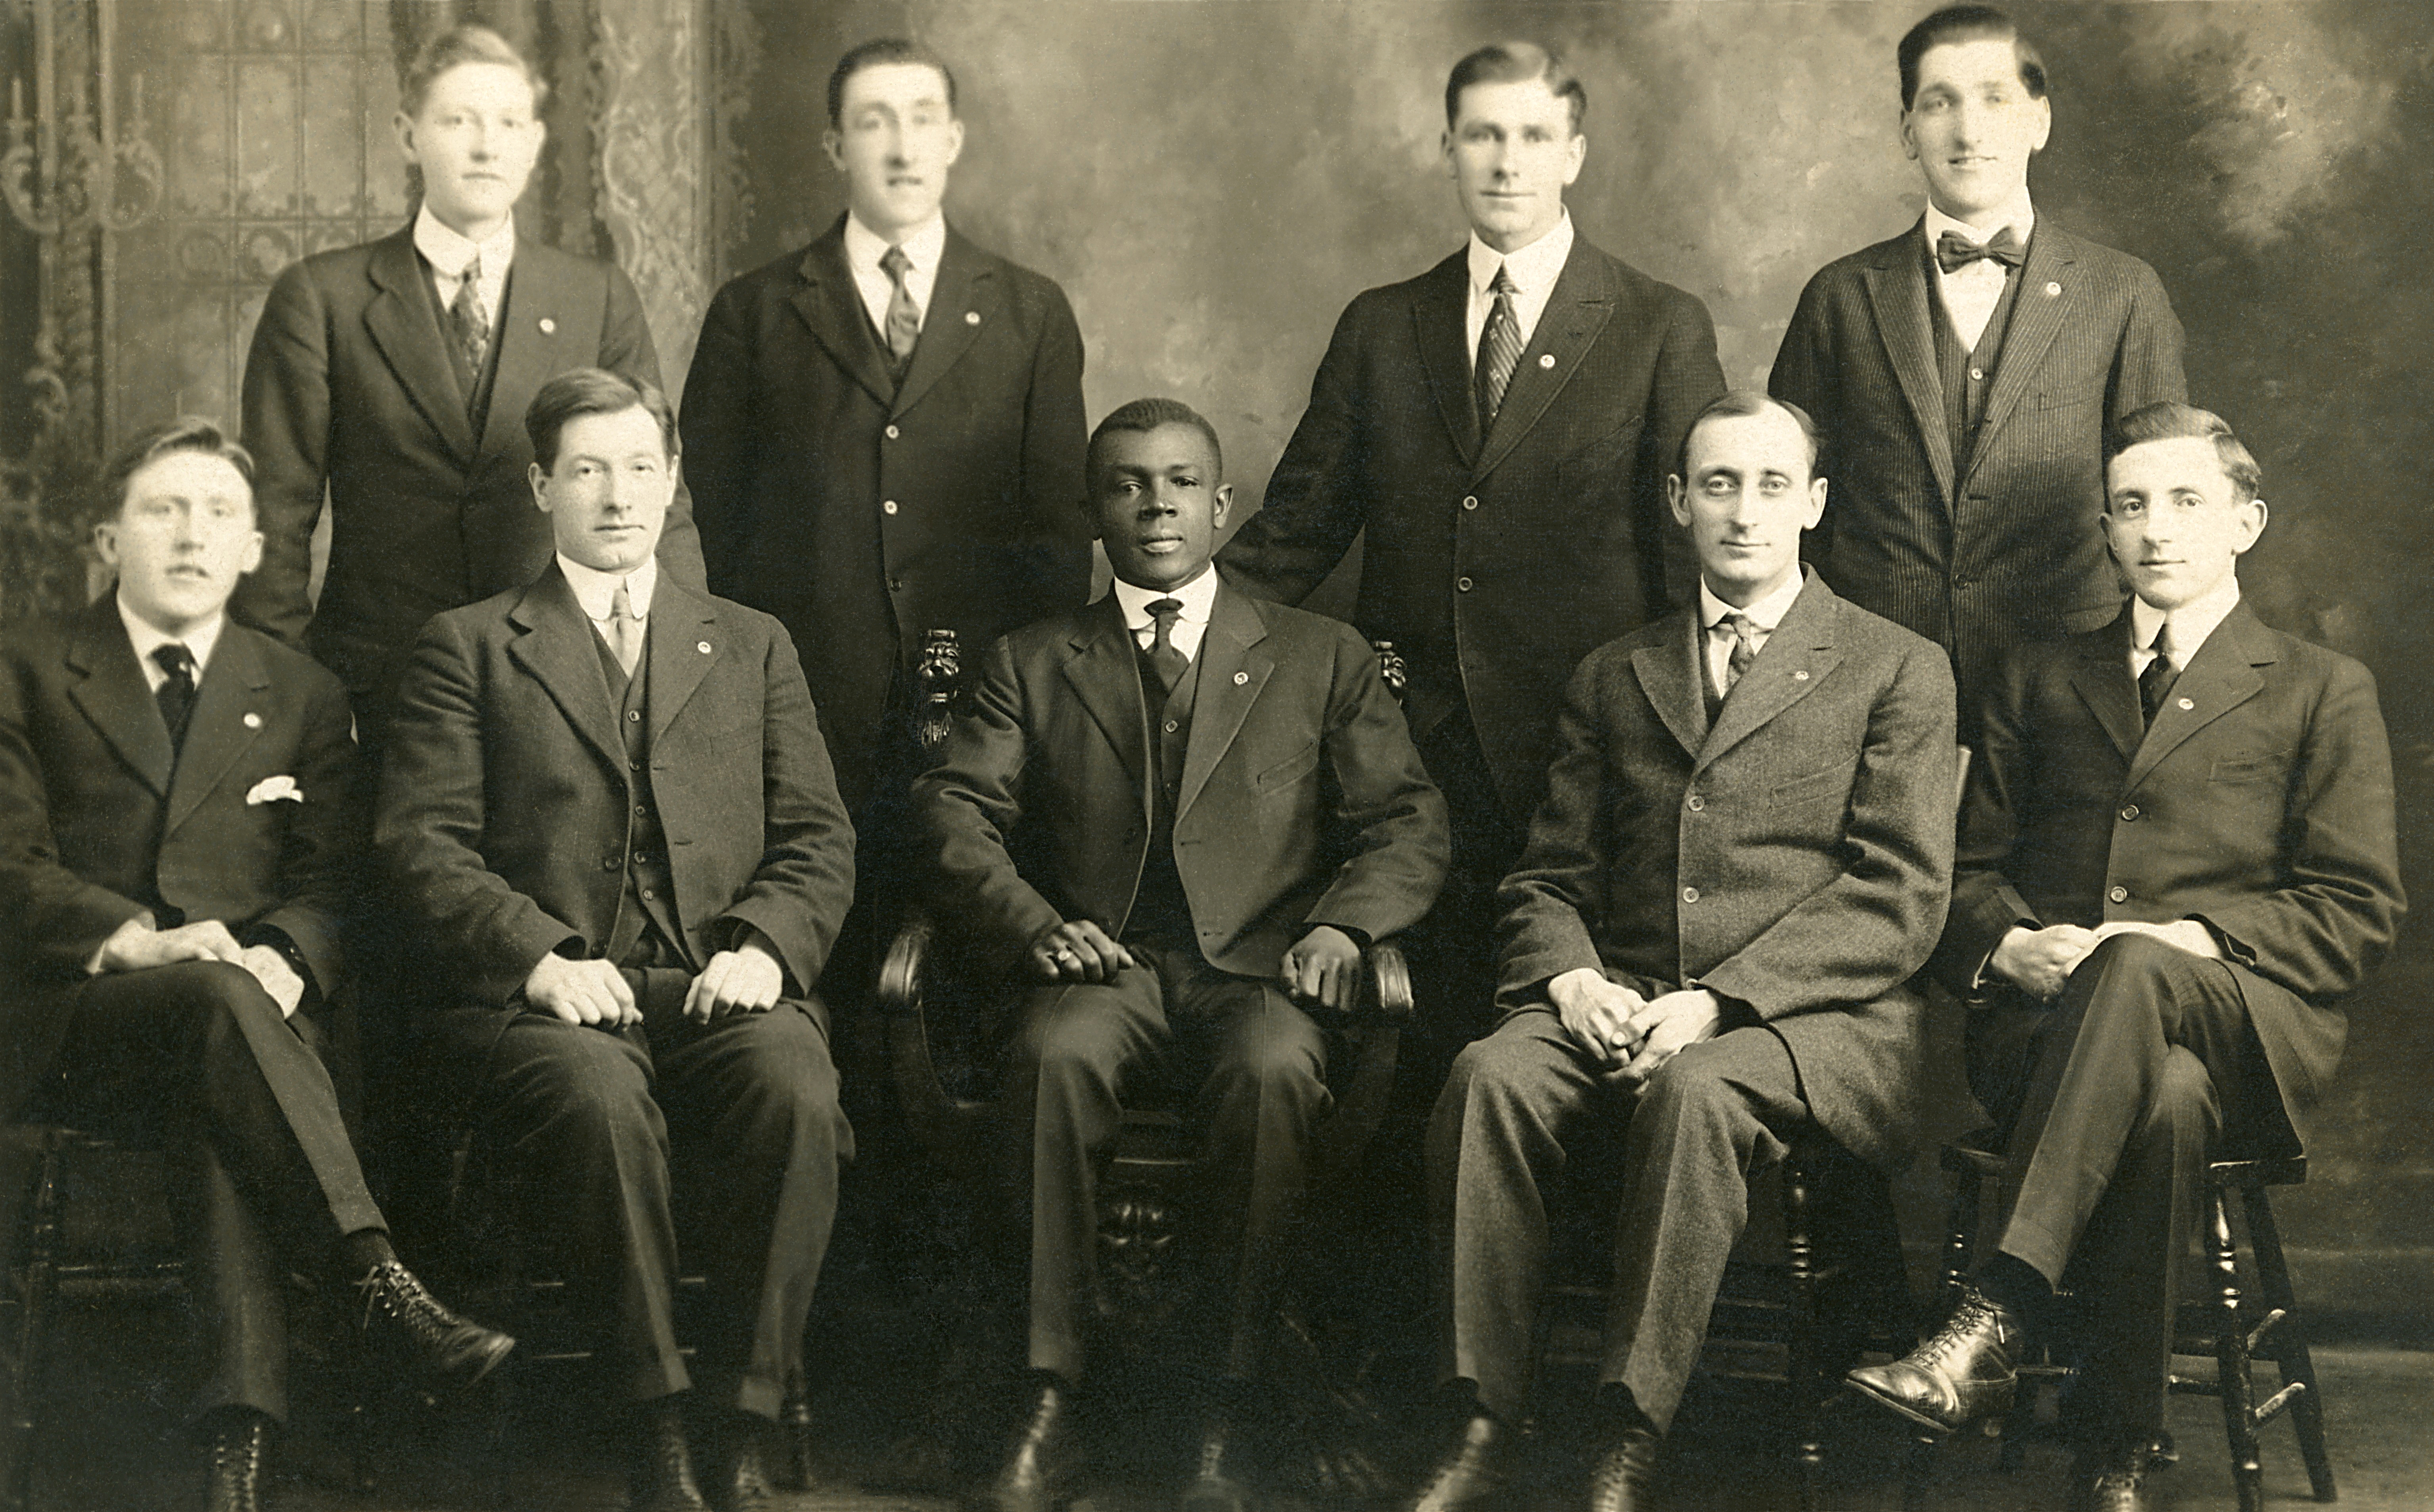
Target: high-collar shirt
x=447 y=253
x=1198 y=597
x=1764 y=616
x=146 y=638
x=1971 y=293
x=923 y=246
x=1533 y=271
x=597 y=590
x=2192 y=623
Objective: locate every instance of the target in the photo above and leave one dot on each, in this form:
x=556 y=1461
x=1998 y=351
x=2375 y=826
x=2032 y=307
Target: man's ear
x=1909 y=138
x=1816 y=503
x=1223 y=500
x=105 y=542
x=2251 y=516
x=1677 y=498
x=833 y=142
x=540 y=492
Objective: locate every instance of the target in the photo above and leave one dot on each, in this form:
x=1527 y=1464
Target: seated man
x=2176 y=855
x=1217 y=806
x=1743 y=857
x=179 y=822
x=608 y=804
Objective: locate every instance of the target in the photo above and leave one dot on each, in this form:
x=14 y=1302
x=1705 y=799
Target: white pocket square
x=273 y=789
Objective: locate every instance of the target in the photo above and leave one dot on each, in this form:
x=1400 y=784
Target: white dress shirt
x=596 y=592
x=448 y=253
x=1764 y=616
x=1198 y=596
x=2191 y=624
x=147 y=639
x=922 y=247
x=1971 y=293
x=1534 y=270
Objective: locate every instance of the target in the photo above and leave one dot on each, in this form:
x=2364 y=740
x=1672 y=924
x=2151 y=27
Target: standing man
x=1744 y=856
x=180 y=818
x=2176 y=858
x=885 y=430
x=608 y=810
x=391 y=379
x=1500 y=426
x=1963 y=373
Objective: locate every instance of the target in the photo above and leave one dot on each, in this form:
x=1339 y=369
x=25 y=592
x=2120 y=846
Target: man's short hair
x=187 y=433
x=2168 y=422
x=1147 y=414
x=1970 y=24
x=878 y=53
x=1515 y=62
x=457 y=45
x=580 y=391
x=1744 y=404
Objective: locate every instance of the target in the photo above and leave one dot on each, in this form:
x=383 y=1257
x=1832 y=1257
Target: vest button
x=648 y=896
x=2118 y=895
x=633 y=716
x=2129 y=811
x=1461 y=585
x=1697 y=803
x=642 y=811
x=889 y=507
x=635 y=766
x=1470 y=503
x=893 y=432
x=1171 y=727
x=1689 y=895
x=1977 y=376
x=608 y=863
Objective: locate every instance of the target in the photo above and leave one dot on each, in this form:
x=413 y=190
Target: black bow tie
x=1954 y=251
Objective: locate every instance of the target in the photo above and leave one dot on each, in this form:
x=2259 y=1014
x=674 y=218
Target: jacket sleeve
x=1807 y=374
x=1871 y=928
x=1399 y=841
x=322 y=869
x=625 y=347
x=1318 y=496
x=1689 y=378
x=1558 y=883
x=2147 y=370
x=54 y=921
x=428 y=828
x=799 y=894
x=286 y=408
x=1056 y=435
x=968 y=806
x=720 y=421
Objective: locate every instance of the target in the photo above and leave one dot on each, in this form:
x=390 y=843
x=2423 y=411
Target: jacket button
x=2118 y=895
x=1697 y=803
x=1461 y=585
x=608 y=863
x=896 y=585
x=634 y=767
x=633 y=716
x=893 y=432
x=2129 y=811
x=648 y=896
x=889 y=507
x=1689 y=895
x=1171 y=727
x=1472 y=503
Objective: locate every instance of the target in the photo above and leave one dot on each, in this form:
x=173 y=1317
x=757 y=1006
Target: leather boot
x=235 y=1441
x=1471 y=1474
x=1038 y=1472
x=1216 y=1485
x=2115 y=1481
x=662 y=1479
x=401 y=1316
x=1623 y=1470
x=743 y=1482
x=1962 y=1374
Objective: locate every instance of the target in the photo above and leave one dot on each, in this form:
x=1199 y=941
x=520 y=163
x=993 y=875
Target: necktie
x=176 y=696
x=2157 y=679
x=1742 y=629
x=625 y=629
x=1954 y=251
x=469 y=326
x=903 y=315
x=1169 y=663
x=1499 y=350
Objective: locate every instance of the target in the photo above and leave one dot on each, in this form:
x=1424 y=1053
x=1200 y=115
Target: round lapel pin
x=2186 y=703
x=1546 y=359
x=548 y=326
x=703 y=647
x=252 y=721
x=2052 y=290
x=971 y=317
x=1240 y=678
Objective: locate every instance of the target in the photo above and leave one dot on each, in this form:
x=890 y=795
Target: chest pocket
x=1292 y=770
x=2249 y=769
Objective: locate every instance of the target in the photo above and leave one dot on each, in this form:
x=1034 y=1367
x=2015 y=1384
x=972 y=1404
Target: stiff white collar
x=1533 y=269
x=923 y=246
x=148 y=637
x=1766 y=614
x=595 y=589
x=1198 y=597
x=2019 y=214
x=2192 y=623
x=449 y=251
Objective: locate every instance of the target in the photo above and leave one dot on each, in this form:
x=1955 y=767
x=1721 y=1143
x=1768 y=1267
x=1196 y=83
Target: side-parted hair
x=580 y=391
x=1970 y=24
x=1145 y=415
x=1515 y=62
x=187 y=433
x=1744 y=404
x=2168 y=422
x=879 y=52
x=456 y=47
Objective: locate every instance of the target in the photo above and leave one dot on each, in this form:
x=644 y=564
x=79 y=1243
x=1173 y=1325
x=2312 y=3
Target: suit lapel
x=831 y=306
x=2103 y=683
x=2036 y=318
x=402 y=326
x=1438 y=311
x=965 y=287
x=1232 y=672
x=114 y=695
x=1107 y=679
x=1897 y=293
x=2222 y=676
x=1790 y=667
x=1670 y=675
x=1577 y=310
x=217 y=732
x=556 y=648
x=683 y=642
x=529 y=332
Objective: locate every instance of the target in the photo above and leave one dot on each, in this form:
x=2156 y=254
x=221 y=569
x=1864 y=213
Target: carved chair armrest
x=1390 y=979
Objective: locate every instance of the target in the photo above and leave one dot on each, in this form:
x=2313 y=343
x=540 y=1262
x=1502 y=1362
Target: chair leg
x=1805 y=1368
x=2291 y=1341
x=795 y=1417
x=33 y=1324
x=2230 y=1356
x=501 y=1450
x=1960 y=1236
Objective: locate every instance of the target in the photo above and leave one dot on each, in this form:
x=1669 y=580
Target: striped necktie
x=1499 y=349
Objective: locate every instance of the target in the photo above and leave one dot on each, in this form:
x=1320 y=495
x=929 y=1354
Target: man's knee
x=789 y=1071
x=1075 y=1036
x=2135 y=957
x=1696 y=1088
x=578 y=1086
x=2187 y=1107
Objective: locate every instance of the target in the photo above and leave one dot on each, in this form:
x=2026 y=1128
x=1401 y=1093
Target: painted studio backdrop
x=1211 y=180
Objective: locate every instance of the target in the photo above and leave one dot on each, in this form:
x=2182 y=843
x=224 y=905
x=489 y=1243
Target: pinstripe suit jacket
x=1975 y=552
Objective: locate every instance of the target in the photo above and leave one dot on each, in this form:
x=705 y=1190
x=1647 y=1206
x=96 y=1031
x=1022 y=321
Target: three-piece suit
x=1208 y=828
x=1793 y=856
x=535 y=800
x=1966 y=484
x=104 y=819
x=2260 y=803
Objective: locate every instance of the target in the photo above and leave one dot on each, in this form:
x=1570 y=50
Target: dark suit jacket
x=863 y=513
x=2261 y=802
x=1975 y=552
x=506 y=807
x=97 y=828
x=1303 y=802
x=348 y=386
x=1493 y=563
x=1797 y=857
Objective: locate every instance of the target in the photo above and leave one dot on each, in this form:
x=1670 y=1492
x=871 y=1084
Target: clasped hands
x=136 y=946
x=746 y=979
x=2040 y=961
x=1625 y=1033
x=1322 y=970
